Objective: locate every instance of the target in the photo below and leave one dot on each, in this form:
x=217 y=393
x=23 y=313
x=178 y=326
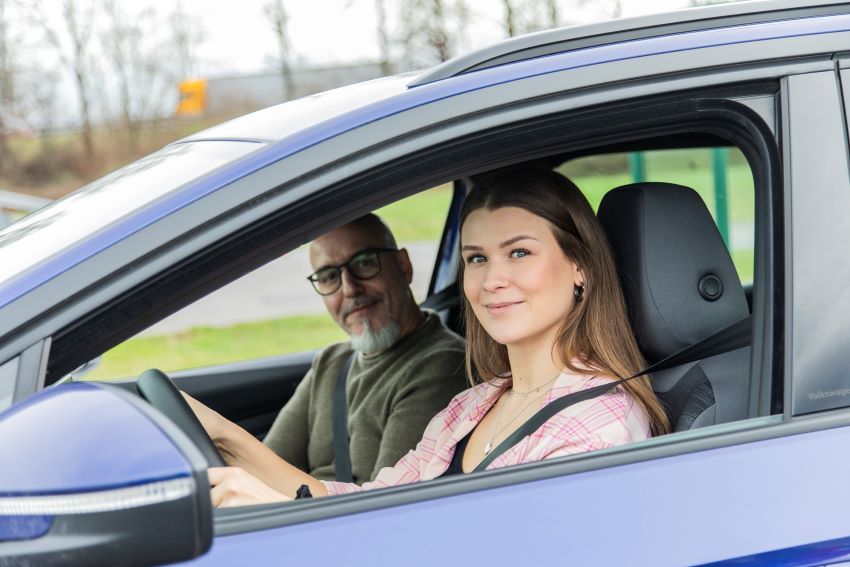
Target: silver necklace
x=533 y=390
x=489 y=446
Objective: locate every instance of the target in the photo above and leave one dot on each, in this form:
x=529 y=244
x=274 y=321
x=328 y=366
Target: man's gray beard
x=375 y=341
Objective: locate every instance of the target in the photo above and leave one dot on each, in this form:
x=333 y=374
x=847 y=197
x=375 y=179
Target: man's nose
x=351 y=286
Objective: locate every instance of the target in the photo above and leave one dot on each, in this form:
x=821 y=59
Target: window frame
x=424 y=164
x=756 y=428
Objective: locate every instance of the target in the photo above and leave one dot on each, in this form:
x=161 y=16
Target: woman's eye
x=475 y=259
x=519 y=253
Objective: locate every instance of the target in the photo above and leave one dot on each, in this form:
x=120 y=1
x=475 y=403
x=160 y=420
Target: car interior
x=649 y=224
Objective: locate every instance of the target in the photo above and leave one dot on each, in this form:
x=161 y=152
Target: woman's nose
x=496 y=277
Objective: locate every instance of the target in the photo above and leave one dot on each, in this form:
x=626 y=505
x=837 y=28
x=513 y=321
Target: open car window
x=584 y=146
x=273 y=310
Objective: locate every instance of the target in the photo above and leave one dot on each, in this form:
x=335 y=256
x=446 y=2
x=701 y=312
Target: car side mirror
x=97 y=476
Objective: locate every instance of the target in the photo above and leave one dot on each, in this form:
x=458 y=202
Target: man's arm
x=288 y=436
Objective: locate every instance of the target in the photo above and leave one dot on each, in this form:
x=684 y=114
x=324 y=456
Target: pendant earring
x=578 y=291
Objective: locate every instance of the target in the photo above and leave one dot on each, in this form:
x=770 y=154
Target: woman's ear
x=579 y=278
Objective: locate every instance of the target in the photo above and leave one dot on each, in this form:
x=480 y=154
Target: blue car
x=752 y=474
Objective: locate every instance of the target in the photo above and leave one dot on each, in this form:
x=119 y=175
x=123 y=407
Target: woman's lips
x=501 y=307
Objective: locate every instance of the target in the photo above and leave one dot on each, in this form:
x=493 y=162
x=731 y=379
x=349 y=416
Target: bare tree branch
x=383 y=37
x=71 y=43
x=278 y=17
x=7 y=86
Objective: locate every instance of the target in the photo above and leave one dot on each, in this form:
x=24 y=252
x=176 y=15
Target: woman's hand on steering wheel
x=232 y=486
x=161 y=392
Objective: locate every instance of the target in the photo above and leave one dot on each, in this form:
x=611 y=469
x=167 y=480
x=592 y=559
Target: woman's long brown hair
x=596 y=331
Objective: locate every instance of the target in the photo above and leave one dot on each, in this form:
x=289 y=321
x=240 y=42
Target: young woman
x=545 y=318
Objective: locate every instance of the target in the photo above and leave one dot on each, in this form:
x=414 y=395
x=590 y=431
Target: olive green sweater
x=391 y=398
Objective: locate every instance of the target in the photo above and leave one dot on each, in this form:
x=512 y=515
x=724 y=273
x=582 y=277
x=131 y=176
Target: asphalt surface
x=278 y=289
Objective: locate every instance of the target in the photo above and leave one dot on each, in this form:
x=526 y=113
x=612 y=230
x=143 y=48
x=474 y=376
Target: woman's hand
x=260 y=475
x=232 y=486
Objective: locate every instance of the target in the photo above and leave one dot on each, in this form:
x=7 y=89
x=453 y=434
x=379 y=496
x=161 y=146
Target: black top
x=456 y=466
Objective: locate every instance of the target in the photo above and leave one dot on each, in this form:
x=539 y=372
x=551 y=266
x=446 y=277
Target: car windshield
x=89 y=210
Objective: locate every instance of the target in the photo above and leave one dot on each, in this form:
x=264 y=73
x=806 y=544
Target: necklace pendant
x=488 y=447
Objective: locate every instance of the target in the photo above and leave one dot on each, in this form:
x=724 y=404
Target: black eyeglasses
x=364 y=265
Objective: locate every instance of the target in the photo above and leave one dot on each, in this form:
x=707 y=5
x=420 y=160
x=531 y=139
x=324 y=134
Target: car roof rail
x=572 y=38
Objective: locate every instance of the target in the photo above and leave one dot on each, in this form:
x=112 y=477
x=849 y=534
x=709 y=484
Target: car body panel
x=669 y=511
x=821 y=299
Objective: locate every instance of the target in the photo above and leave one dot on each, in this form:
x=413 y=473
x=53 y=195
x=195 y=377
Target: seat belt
x=726 y=340
x=342 y=454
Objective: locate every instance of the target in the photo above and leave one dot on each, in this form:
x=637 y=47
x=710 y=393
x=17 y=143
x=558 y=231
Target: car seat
x=681 y=286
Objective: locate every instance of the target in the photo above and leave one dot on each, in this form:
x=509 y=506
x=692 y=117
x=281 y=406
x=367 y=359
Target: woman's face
x=516 y=277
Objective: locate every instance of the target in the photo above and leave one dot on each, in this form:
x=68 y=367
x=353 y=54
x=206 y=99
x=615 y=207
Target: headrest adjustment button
x=710 y=287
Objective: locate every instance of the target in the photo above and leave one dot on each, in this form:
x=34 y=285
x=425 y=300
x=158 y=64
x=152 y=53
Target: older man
x=402 y=364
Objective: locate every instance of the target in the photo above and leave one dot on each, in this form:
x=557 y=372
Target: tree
x=71 y=41
x=142 y=72
x=432 y=30
x=7 y=85
x=511 y=24
x=383 y=37
x=524 y=16
x=187 y=34
x=278 y=17
x=553 y=13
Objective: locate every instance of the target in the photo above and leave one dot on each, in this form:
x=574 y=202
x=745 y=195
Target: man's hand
x=232 y=486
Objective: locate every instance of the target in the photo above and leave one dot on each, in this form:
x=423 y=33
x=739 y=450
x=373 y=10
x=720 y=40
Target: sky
x=239 y=39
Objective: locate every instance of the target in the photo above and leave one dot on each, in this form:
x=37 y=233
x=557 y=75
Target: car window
x=720 y=175
x=272 y=310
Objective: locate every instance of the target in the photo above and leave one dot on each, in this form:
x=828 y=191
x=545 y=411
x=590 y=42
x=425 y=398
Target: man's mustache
x=357 y=303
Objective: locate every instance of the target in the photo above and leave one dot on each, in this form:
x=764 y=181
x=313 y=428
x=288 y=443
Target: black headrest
x=678 y=277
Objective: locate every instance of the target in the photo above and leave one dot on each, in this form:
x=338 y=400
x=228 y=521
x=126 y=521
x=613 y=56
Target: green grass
x=204 y=346
x=417 y=218
x=739 y=188
x=420 y=217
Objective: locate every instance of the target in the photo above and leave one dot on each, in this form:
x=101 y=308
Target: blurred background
x=87 y=86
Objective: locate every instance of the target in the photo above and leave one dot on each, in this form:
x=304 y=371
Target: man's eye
x=326 y=276
x=365 y=262
x=475 y=259
x=519 y=253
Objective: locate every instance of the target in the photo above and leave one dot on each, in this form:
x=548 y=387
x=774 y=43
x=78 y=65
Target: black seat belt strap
x=731 y=338
x=342 y=454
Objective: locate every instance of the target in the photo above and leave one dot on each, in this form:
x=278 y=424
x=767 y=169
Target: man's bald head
x=376 y=228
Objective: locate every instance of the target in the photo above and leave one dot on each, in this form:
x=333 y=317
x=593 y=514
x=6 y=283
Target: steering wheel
x=161 y=392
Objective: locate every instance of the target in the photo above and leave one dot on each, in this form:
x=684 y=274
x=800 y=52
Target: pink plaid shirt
x=611 y=419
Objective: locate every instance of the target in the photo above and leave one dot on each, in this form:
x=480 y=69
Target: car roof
x=629 y=29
